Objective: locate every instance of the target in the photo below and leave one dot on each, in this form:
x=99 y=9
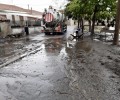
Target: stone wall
x=5 y=29
x=21 y=30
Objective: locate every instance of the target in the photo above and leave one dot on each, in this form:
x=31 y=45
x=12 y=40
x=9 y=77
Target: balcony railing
x=29 y=23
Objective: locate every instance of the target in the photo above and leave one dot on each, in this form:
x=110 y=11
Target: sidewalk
x=16 y=48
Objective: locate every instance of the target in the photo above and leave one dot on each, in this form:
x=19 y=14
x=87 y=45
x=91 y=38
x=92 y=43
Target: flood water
x=41 y=75
x=61 y=69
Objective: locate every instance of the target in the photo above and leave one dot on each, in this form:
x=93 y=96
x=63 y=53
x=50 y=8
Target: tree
x=77 y=10
x=117 y=25
x=90 y=9
x=102 y=6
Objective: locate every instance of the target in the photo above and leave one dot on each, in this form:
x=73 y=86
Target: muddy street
x=62 y=69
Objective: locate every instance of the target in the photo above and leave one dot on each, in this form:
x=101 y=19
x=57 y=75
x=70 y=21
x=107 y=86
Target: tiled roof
x=11 y=7
x=16 y=8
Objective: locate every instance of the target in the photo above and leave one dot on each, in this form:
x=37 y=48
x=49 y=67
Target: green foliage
x=86 y=8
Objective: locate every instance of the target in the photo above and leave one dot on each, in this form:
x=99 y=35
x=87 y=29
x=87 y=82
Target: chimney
x=31 y=10
x=28 y=6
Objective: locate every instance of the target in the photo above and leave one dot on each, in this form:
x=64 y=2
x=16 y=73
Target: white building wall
x=25 y=18
x=5 y=29
x=17 y=18
x=71 y=22
x=9 y=16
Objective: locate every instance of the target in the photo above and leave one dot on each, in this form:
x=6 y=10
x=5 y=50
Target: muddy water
x=41 y=76
x=62 y=70
x=17 y=46
x=87 y=77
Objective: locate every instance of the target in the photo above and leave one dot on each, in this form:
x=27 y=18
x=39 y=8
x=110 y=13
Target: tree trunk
x=82 y=25
x=89 y=25
x=117 y=25
x=78 y=22
x=93 y=20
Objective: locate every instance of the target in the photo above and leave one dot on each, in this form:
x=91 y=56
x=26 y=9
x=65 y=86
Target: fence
x=24 y=23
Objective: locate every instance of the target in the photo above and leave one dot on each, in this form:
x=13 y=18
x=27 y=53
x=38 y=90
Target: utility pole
x=28 y=7
x=117 y=25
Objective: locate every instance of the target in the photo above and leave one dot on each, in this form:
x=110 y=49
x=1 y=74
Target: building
x=19 y=16
x=13 y=19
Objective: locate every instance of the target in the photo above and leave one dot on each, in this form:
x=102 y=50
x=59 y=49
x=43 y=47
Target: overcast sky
x=38 y=5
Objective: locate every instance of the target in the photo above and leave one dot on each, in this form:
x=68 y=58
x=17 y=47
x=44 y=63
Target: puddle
x=79 y=45
x=53 y=45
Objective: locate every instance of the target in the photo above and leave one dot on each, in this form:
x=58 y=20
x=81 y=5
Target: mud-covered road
x=57 y=68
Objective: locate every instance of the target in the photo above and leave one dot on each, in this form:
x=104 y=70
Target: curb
x=19 y=57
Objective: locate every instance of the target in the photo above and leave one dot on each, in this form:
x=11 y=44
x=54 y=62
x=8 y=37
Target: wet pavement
x=61 y=70
x=13 y=47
